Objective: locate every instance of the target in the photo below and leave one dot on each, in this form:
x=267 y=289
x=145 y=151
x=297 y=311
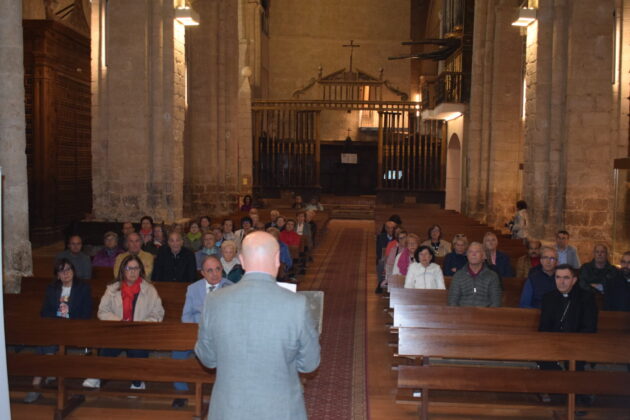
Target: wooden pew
x=491 y=319
x=512 y=288
x=512 y=346
x=165 y=336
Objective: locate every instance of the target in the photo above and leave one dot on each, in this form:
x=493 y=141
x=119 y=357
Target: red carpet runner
x=338 y=389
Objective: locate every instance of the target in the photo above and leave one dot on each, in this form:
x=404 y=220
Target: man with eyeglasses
x=540 y=280
x=211 y=270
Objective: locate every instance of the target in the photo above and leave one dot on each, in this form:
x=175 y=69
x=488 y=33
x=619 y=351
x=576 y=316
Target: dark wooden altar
x=58 y=139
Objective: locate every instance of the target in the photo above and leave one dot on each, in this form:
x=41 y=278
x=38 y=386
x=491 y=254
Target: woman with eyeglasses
x=130 y=297
x=66 y=297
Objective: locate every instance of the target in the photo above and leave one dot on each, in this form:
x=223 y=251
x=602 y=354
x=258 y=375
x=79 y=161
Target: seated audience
x=520 y=225
x=146 y=230
x=425 y=273
x=281 y=222
x=407 y=256
x=232 y=269
x=597 y=273
x=209 y=248
x=196 y=293
x=204 y=224
x=298 y=204
x=496 y=260
x=247 y=203
x=175 y=262
x=393 y=243
x=439 y=246
x=392 y=252
x=568 y=308
x=475 y=284
x=106 y=257
x=246 y=227
x=218 y=235
x=289 y=236
x=302 y=228
x=127 y=228
x=314 y=205
x=159 y=239
x=81 y=262
x=192 y=240
x=131 y=297
x=253 y=214
x=382 y=240
x=310 y=214
x=567 y=254
x=228 y=226
x=617 y=296
x=529 y=260
x=456 y=259
x=66 y=297
x=540 y=280
x=285 y=253
x=134 y=247
x=273 y=216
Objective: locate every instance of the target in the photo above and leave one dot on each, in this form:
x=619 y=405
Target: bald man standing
x=258 y=336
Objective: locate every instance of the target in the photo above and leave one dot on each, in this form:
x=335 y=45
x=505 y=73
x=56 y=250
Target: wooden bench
x=491 y=319
x=512 y=346
x=166 y=336
x=399 y=296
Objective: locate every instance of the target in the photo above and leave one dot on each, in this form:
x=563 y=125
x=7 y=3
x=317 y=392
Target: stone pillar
x=214 y=127
x=17 y=259
x=138 y=154
x=494 y=133
x=573 y=115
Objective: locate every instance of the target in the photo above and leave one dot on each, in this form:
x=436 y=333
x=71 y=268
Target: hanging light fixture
x=526 y=17
x=187 y=16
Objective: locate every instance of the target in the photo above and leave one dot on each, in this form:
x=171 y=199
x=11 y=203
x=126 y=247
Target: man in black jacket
x=174 y=262
x=569 y=308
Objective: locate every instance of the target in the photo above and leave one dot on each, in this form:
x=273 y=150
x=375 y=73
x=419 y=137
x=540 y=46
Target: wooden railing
x=449 y=87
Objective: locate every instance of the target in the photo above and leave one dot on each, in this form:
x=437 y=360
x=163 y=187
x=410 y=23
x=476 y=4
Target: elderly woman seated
x=209 y=248
x=192 y=240
x=130 y=297
x=232 y=269
x=106 y=257
x=405 y=258
x=456 y=259
x=66 y=297
x=497 y=261
x=439 y=246
x=424 y=274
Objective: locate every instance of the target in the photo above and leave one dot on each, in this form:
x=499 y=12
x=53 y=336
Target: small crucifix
x=352 y=46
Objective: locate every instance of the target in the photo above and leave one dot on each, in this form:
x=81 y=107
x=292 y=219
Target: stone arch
x=453 y=197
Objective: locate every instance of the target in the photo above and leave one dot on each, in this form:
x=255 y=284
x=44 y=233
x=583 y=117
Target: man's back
x=259 y=336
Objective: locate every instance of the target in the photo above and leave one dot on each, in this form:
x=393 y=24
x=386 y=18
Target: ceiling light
x=525 y=17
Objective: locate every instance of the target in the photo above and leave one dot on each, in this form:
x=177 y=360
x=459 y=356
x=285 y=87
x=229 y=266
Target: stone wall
x=493 y=134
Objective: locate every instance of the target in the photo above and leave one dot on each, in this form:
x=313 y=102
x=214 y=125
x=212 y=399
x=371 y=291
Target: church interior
x=360 y=112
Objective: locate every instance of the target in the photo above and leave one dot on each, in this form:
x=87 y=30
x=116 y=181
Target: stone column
x=139 y=113
x=17 y=258
x=493 y=136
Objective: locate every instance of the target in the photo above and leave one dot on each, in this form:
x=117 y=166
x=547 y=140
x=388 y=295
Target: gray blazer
x=258 y=336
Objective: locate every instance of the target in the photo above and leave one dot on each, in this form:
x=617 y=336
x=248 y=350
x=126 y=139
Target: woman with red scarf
x=129 y=298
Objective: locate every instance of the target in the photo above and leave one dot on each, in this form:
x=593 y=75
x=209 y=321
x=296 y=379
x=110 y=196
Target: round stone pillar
x=17 y=258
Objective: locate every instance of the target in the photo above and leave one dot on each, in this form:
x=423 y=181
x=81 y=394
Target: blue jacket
x=453 y=260
x=195 y=298
x=502 y=266
x=79 y=303
x=537 y=285
x=285 y=255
